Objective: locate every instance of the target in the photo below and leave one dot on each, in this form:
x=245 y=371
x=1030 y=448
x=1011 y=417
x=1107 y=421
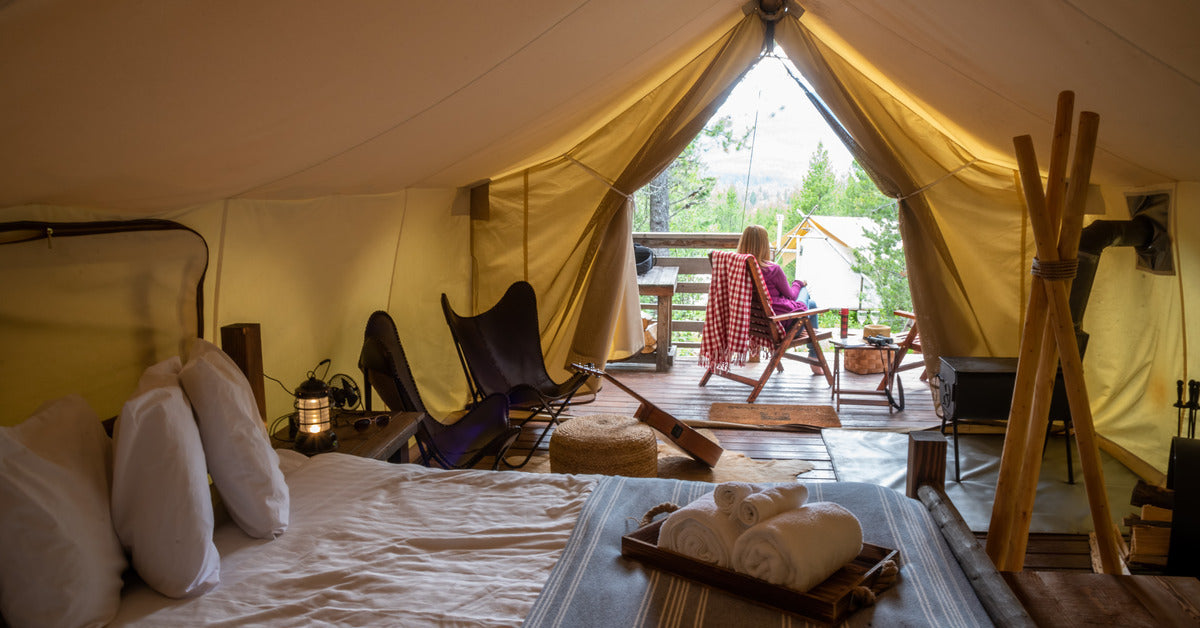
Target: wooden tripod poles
x=1047 y=336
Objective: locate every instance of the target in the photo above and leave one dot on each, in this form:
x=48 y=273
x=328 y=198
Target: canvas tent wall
x=323 y=153
x=326 y=153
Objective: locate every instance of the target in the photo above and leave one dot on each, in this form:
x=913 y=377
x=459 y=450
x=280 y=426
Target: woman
x=785 y=297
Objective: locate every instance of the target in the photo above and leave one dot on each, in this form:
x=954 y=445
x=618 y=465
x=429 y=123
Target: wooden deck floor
x=678 y=392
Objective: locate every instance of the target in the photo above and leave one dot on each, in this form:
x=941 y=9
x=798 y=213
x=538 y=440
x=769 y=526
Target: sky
x=788 y=130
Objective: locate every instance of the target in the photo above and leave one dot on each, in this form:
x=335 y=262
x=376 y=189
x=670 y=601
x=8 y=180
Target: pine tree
x=859 y=196
x=818 y=192
x=883 y=263
x=677 y=197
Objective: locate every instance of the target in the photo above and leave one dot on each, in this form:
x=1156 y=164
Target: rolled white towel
x=700 y=531
x=763 y=505
x=729 y=494
x=801 y=547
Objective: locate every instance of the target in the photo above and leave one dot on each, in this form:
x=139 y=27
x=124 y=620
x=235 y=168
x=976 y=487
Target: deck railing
x=694 y=269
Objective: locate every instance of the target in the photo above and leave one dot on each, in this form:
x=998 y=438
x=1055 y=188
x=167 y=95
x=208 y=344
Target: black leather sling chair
x=501 y=352
x=483 y=431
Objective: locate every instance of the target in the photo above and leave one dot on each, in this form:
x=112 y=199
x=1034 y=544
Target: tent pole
x=1031 y=400
x=1064 y=331
x=1048 y=315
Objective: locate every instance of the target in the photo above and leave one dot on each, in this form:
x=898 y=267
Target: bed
x=372 y=543
x=368 y=543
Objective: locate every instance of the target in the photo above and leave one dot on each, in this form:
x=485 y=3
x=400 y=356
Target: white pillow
x=60 y=561
x=243 y=465
x=161 y=504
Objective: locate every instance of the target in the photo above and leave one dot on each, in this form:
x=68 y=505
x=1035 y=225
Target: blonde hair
x=756 y=242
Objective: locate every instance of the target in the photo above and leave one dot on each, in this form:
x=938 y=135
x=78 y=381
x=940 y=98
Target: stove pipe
x=1143 y=232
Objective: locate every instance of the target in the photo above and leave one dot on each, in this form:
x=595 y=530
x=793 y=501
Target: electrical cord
x=899 y=405
x=290 y=392
x=276 y=424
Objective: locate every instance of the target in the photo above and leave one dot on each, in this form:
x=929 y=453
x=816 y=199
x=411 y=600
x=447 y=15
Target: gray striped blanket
x=593 y=585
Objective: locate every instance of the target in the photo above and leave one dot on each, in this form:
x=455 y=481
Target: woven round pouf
x=607 y=444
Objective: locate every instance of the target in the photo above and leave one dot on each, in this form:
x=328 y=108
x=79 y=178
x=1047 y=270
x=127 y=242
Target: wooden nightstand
x=389 y=442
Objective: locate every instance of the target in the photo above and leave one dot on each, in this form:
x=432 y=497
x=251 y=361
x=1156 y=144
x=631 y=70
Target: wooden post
x=1016 y=462
x=1072 y=365
x=1034 y=446
x=243 y=343
x=1014 y=510
x=1049 y=317
x=1071 y=218
x=926 y=462
x=1089 y=450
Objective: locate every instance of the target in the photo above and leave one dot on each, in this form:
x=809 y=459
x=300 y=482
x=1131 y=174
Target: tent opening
x=769 y=156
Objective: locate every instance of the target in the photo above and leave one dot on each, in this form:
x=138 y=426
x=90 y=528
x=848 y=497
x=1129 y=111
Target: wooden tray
x=828 y=602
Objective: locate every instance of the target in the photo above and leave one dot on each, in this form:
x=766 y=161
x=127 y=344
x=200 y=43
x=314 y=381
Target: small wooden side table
x=861 y=397
x=389 y=442
x=660 y=282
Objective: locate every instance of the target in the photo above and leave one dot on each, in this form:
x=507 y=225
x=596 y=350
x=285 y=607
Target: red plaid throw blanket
x=725 y=339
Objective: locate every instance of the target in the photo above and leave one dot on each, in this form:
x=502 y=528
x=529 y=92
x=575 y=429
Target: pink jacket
x=783 y=294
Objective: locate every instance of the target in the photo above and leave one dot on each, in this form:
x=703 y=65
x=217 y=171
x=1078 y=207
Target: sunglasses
x=362 y=424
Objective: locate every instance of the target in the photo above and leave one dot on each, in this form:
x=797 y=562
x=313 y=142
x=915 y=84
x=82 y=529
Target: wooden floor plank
x=1075 y=599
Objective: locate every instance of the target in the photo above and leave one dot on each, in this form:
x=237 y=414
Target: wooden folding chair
x=774 y=332
x=909 y=340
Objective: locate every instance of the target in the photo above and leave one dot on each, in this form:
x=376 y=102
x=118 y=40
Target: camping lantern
x=314 y=427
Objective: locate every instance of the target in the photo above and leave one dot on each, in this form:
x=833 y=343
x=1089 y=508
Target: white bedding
x=375 y=544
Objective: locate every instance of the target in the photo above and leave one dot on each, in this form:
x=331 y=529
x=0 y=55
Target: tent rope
x=396 y=254
x=854 y=147
x=923 y=188
x=834 y=124
x=750 y=162
x=599 y=177
x=1183 y=324
x=938 y=180
x=1055 y=270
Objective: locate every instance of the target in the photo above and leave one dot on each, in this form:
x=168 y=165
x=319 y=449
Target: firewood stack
x=1150 y=532
x=649 y=334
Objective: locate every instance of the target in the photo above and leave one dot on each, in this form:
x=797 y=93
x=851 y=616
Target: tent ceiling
x=132 y=105
x=996 y=68
x=152 y=106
